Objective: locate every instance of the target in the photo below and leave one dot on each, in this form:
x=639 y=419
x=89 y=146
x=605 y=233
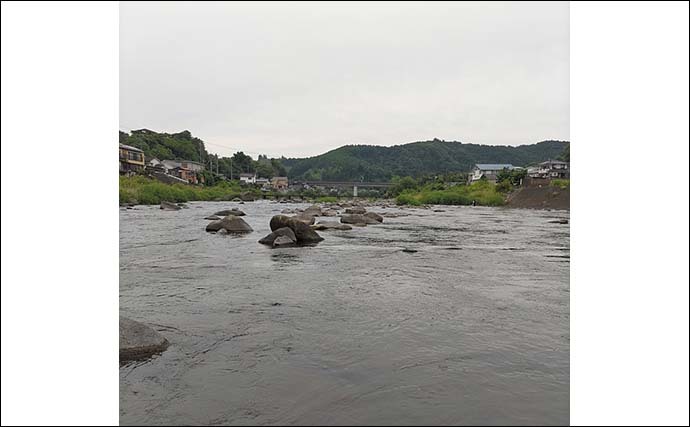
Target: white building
x=488 y=171
x=550 y=169
x=248 y=178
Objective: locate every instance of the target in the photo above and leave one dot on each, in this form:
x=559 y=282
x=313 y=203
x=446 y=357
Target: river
x=473 y=328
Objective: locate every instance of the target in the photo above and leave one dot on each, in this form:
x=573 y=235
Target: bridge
x=345 y=184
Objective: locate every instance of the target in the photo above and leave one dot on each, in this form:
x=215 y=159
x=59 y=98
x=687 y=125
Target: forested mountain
x=375 y=163
x=173 y=146
x=184 y=146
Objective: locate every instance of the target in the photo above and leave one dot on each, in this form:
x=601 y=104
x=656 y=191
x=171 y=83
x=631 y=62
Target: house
x=262 y=181
x=192 y=165
x=550 y=169
x=169 y=165
x=248 y=178
x=184 y=173
x=488 y=171
x=155 y=165
x=279 y=182
x=131 y=160
x=154 y=162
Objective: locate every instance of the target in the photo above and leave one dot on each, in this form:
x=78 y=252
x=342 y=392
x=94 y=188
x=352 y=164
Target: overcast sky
x=299 y=80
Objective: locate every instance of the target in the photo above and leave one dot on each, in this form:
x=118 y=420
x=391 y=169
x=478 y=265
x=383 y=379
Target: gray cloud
x=302 y=79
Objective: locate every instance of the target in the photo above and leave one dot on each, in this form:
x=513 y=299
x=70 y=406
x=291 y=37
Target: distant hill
x=350 y=162
x=374 y=163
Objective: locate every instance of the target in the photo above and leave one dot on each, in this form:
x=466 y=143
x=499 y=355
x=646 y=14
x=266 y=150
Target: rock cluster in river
x=303 y=233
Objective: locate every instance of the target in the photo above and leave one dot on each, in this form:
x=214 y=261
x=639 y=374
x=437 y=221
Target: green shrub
x=407 y=198
x=326 y=199
x=504 y=186
x=560 y=183
x=482 y=192
x=146 y=191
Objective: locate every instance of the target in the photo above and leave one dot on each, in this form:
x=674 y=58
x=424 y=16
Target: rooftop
x=129 y=147
x=247 y=175
x=552 y=162
x=494 y=166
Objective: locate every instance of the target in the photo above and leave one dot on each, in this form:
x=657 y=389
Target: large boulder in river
x=285 y=232
x=329 y=212
x=357 y=219
x=138 y=341
x=374 y=216
x=231 y=224
x=330 y=225
x=233 y=211
x=305 y=218
x=355 y=210
x=170 y=206
x=212 y=217
x=302 y=231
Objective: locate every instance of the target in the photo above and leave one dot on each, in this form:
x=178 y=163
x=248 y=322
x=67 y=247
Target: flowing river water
x=473 y=328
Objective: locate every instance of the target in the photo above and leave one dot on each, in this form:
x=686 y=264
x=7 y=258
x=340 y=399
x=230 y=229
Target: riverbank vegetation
x=147 y=191
x=482 y=193
x=560 y=183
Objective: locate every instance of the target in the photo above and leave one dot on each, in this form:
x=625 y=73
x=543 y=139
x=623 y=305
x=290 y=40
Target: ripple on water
x=472 y=328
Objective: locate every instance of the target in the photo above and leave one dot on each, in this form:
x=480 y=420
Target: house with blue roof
x=488 y=171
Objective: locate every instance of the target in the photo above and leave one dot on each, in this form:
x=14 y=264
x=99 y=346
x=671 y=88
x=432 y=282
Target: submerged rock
x=331 y=225
x=355 y=210
x=170 y=206
x=212 y=217
x=233 y=211
x=358 y=219
x=285 y=231
x=409 y=251
x=138 y=341
x=302 y=231
x=559 y=221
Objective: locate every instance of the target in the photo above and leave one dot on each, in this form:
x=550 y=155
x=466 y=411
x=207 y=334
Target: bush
x=482 y=192
x=504 y=186
x=560 y=183
x=407 y=198
x=326 y=199
x=146 y=191
x=401 y=185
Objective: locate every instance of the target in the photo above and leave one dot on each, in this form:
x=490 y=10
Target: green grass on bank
x=484 y=193
x=326 y=199
x=146 y=191
x=560 y=183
